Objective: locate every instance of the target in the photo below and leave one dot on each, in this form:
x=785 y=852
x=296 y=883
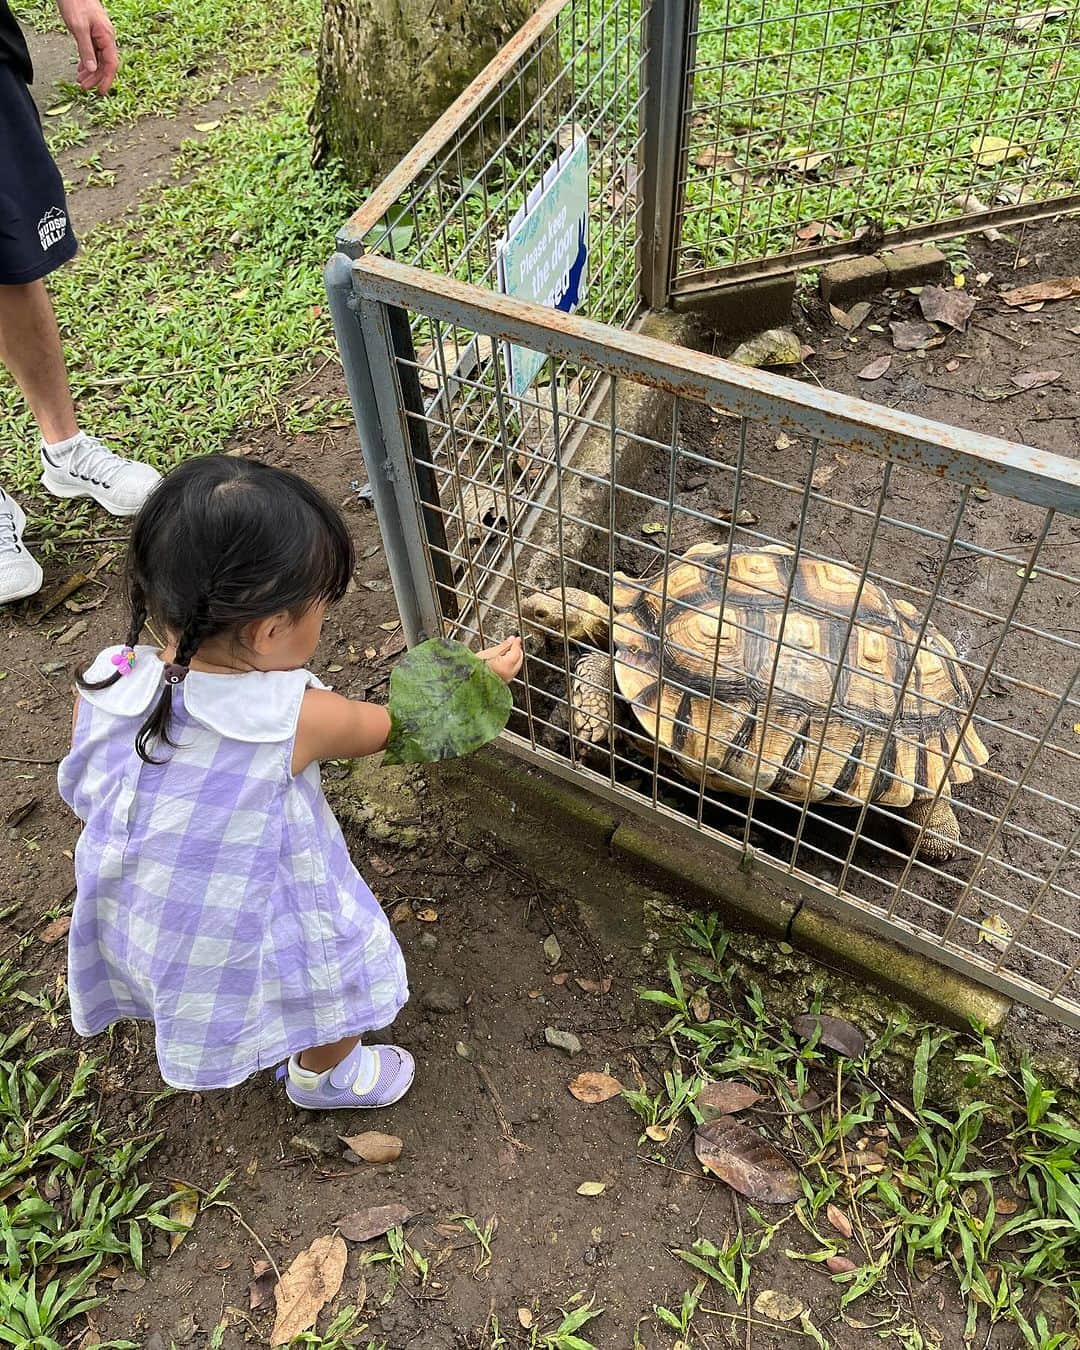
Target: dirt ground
x=509 y=1142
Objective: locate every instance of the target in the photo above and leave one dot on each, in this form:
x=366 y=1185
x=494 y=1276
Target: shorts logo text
x=52 y=227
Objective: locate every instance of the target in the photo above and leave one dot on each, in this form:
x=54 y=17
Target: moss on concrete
x=939 y=990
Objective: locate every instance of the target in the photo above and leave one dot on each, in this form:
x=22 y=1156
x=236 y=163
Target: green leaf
x=444 y=702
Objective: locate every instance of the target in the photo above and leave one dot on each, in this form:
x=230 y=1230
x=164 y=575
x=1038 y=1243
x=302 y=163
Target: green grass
x=174 y=56
x=72 y=1198
x=185 y=321
x=988 y=1188
x=890 y=95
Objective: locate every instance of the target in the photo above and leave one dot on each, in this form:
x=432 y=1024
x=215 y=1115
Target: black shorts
x=35 y=236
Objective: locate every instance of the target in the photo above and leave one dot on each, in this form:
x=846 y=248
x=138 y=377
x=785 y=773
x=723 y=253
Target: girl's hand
x=505 y=659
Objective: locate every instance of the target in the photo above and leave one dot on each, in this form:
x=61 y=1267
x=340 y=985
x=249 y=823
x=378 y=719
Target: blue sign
x=544 y=257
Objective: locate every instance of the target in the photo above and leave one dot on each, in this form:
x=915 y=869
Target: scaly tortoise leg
x=590 y=700
x=939 y=817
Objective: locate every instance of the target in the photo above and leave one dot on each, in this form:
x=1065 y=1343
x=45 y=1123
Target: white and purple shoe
x=368 y=1077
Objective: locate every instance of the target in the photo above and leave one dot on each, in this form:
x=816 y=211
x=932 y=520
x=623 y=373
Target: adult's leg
x=30 y=348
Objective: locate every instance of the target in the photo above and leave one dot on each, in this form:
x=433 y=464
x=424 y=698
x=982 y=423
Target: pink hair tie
x=124 y=661
x=175 y=673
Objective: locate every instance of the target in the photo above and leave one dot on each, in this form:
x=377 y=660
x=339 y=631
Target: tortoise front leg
x=938 y=817
x=590 y=698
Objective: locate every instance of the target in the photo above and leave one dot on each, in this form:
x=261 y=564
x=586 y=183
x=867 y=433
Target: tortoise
x=719 y=649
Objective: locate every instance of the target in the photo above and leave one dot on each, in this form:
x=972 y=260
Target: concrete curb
x=745 y=307
x=603 y=855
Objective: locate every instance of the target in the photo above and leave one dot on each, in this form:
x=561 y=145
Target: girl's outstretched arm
x=334 y=727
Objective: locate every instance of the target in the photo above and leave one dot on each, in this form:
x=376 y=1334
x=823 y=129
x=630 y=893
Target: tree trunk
x=389 y=68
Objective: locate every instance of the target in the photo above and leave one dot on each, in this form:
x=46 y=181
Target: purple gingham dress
x=216 y=897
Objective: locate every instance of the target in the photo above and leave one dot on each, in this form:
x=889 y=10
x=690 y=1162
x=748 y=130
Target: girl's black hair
x=222 y=542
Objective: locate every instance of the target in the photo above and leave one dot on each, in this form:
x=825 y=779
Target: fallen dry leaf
x=850 y=319
x=779 y=1306
x=308 y=1285
x=949 y=306
x=840 y=1265
x=991 y=150
x=701 y=1007
x=659 y=1134
x=427 y=915
x=381 y=866
x=783 y=442
x=806 y=161
x=725 y=1098
x=525 y=1318
x=591 y=1188
x=747 y=1161
x=1035 y=379
x=995 y=932
x=53 y=932
x=261 y=1288
x=824 y=475
x=561 y=978
x=912 y=335
x=552 y=950
x=1057 y=288
x=1005 y=1204
x=875 y=369
x=373 y=1222
x=593 y=1088
x=184 y=1209
x=839 y=1220
x=835 y=1033
x=593 y=986
x=373 y=1147
x=401 y=911
x=813 y=229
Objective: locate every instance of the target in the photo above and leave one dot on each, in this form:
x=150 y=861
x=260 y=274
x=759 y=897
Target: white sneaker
x=20 y=575
x=91 y=469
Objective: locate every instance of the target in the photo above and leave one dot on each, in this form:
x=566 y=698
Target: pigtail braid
x=157 y=725
x=136 y=624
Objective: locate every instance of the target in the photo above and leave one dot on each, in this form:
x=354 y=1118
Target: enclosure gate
x=845 y=545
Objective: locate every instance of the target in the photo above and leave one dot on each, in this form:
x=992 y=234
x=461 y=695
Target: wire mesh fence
x=810 y=126
x=821 y=634
x=824 y=635
x=573 y=75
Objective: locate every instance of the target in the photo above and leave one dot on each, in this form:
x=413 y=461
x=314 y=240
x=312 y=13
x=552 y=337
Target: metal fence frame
x=382 y=306
x=675 y=29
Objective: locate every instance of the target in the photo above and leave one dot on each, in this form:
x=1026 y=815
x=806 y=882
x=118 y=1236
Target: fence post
x=387 y=473
x=666 y=75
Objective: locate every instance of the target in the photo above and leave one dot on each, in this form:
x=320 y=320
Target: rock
x=774 y=347
x=317 y=1140
x=428 y=941
x=562 y=1040
x=441 y=997
x=696 y=481
x=160 y=1246
x=590 y=1256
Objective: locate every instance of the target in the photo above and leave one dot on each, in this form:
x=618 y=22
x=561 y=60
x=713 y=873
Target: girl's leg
x=322 y=1057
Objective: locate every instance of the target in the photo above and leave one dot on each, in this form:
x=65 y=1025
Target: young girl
x=216 y=897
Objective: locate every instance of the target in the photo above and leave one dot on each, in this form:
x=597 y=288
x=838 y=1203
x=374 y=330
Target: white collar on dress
x=260 y=705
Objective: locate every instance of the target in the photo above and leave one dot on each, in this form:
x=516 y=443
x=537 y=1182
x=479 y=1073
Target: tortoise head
x=577 y=614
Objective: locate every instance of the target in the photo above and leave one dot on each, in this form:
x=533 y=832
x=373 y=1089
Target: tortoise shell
x=707 y=697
